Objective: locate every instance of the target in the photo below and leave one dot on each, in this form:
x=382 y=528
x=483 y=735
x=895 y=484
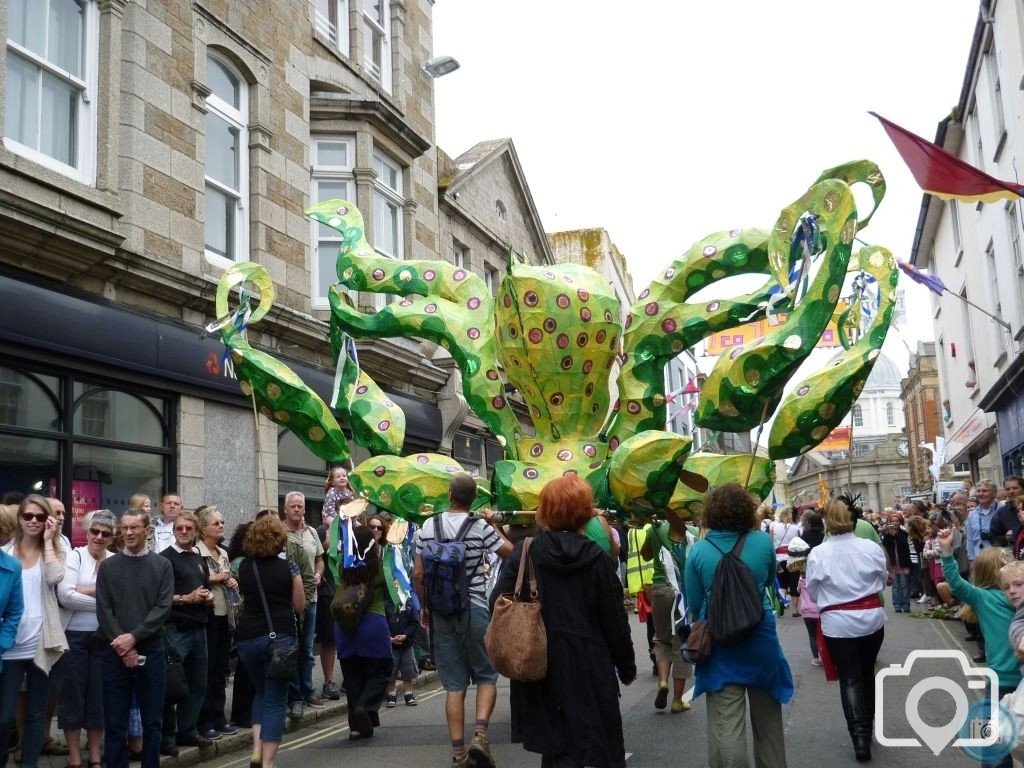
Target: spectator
x=572 y=717
x=134 y=591
x=301 y=693
x=162 y=534
x=782 y=532
x=1005 y=526
x=845 y=574
x=40 y=640
x=459 y=651
x=186 y=634
x=220 y=624
x=79 y=673
x=897 y=550
x=753 y=669
x=337 y=491
x=281 y=586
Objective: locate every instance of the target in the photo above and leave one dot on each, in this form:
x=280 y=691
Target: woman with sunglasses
x=79 y=677
x=212 y=721
x=40 y=641
x=378 y=529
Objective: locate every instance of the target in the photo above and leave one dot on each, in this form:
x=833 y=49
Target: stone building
x=920 y=395
x=147 y=147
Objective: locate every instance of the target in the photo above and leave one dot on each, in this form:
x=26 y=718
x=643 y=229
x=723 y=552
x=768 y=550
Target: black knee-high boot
x=858 y=716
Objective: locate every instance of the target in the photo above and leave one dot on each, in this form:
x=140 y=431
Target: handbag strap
x=263 y=598
x=526 y=567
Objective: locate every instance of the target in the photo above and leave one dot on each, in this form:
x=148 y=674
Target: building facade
x=976 y=249
x=147 y=147
x=921 y=406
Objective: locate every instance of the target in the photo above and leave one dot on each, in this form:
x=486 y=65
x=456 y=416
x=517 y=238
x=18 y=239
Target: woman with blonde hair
x=141 y=501
x=783 y=530
x=40 y=641
x=571 y=717
x=8 y=522
x=845 y=575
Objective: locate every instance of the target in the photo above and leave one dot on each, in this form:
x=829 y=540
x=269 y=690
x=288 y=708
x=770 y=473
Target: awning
x=973 y=433
x=160 y=350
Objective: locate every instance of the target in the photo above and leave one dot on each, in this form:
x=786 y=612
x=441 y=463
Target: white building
x=976 y=250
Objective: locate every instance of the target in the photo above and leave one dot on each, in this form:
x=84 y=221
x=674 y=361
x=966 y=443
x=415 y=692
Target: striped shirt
x=480 y=538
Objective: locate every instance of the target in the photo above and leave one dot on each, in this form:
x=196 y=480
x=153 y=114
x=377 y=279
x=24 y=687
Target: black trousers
x=365 y=683
x=218 y=649
x=854 y=658
x=242 y=692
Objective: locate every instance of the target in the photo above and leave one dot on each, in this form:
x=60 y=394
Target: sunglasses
x=100 y=534
x=39 y=517
x=376 y=527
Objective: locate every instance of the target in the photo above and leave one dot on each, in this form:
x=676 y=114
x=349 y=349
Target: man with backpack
x=449 y=578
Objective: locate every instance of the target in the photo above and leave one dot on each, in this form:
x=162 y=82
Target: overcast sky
x=682 y=119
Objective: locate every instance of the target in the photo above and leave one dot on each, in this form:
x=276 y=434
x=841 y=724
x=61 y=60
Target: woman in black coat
x=572 y=717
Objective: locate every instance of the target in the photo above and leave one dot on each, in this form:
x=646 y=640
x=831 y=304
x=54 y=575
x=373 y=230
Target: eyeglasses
x=376 y=527
x=39 y=517
x=100 y=534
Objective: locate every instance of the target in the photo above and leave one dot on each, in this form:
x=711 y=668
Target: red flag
x=946 y=176
x=691 y=388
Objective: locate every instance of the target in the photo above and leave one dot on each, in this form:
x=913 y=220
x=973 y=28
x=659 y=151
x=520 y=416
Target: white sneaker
x=924 y=599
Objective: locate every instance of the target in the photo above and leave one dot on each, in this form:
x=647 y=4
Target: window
x=996 y=94
x=499 y=210
x=858 y=416
x=962 y=467
x=332 y=22
x=333 y=159
x=1013 y=232
x=954 y=220
x=387 y=213
x=890 y=415
x=995 y=304
x=377 y=41
x=492 y=280
x=974 y=132
x=52 y=68
x=459 y=255
x=968 y=326
x=227 y=163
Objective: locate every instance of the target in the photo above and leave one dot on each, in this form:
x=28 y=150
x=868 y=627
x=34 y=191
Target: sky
x=687 y=118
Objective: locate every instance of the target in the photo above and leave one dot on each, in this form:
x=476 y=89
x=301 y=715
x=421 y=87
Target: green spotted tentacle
x=718 y=469
x=820 y=402
x=444 y=304
x=402 y=485
x=644 y=472
x=279 y=393
x=746 y=384
x=661 y=324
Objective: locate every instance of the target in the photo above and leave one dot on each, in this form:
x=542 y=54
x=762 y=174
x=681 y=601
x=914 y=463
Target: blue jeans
x=147 y=684
x=901 y=591
x=189 y=642
x=38 y=693
x=301 y=688
x=271 y=696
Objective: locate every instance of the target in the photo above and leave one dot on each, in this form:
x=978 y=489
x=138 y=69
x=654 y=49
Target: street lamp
x=439 y=66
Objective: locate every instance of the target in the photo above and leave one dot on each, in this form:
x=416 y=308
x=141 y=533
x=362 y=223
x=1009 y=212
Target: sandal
x=797 y=614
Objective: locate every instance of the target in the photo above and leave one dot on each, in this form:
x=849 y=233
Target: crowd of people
x=130 y=637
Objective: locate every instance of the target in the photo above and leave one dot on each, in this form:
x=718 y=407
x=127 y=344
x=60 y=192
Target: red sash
x=860 y=604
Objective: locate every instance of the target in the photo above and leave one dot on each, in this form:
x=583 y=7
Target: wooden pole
x=757 y=442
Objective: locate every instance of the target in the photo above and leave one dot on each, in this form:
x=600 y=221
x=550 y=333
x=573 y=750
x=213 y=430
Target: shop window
x=298 y=469
x=118 y=416
x=28 y=400
x=28 y=465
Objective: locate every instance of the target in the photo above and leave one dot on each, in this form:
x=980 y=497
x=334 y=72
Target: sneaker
x=924 y=599
x=410 y=700
x=816 y=662
x=295 y=710
x=316 y=702
x=460 y=761
x=228 y=728
x=211 y=733
x=680 y=706
x=661 y=699
x=480 y=751
x=331 y=691
x=426 y=665
x=392 y=701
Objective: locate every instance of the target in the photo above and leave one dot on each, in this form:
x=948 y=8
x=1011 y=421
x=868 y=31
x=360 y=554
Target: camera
x=985 y=535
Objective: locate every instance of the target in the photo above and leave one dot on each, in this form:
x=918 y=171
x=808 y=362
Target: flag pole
x=983 y=311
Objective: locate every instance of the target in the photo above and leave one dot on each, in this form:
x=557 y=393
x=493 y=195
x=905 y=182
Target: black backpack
x=736 y=606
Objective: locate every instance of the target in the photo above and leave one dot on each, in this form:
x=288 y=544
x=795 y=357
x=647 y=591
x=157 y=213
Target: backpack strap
x=738 y=546
x=442 y=538
x=464 y=528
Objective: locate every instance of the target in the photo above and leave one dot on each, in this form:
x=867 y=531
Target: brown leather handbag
x=516 y=639
x=697 y=647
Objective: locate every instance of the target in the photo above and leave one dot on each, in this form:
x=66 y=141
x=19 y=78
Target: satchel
x=175 y=679
x=516 y=639
x=697 y=646
x=282 y=660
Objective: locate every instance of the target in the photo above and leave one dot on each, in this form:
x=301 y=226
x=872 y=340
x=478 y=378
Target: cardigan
x=53 y=644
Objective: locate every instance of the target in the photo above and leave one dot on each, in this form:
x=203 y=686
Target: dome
x=885 y=375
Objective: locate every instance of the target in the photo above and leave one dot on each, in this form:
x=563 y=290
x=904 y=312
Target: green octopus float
x=554 y=335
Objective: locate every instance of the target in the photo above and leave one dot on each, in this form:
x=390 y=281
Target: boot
x=858 y=717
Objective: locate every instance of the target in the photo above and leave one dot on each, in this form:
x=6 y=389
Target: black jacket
x=575 y=710
x=1004 y=519
x=402 y=622
x=897 y=548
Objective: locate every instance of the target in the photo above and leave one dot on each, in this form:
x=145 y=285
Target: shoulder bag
x=282 y=660
x=516 y=639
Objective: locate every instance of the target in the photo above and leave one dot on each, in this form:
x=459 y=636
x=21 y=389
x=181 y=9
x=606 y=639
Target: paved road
x=815 y=730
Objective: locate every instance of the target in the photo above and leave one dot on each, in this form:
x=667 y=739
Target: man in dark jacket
x=1005 y=526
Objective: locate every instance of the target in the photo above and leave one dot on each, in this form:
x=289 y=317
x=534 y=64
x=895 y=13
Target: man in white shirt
x=163 y=526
